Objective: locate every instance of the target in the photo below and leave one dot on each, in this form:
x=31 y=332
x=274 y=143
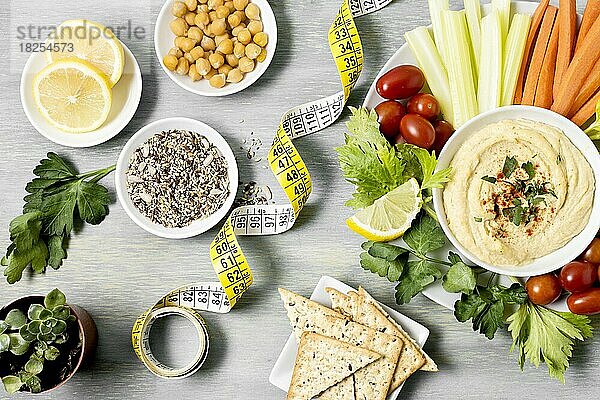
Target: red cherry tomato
x=390 y=114
x=585 y=303
x=417 y=130
x=401 y=82
x=425 y=105
x=543 y=289
x=592 y=254
x=578 y=276
x=443 y=131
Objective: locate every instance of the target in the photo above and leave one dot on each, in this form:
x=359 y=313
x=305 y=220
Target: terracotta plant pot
x=88 y=333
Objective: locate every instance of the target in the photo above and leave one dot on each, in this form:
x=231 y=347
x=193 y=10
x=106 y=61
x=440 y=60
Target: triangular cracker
x=302 y=312
x=430 y=365
x=323 y=362
x=342 y=391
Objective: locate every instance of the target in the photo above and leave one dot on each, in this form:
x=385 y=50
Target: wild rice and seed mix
x=177 y=177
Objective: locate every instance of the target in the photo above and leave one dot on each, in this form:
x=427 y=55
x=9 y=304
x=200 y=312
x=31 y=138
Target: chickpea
x=220 y=38
x=213 y=4
x=179 y=27
x=179 y=9
x=246 y=65
x=189 y=57
x=254 y=27
x=261 y=39
x=183 y=66
x=216 y=60
x=222 y=12
x=240 y=14
x=191 y=5
x=207 y=32
x=236 y=31
x=203 y=66
x=262 y=56
x=240 y=4
x=234 y=20
x=175 y=51
x=195 y=33
x=193 y=73
x=239 y=50
x=185 y=44
x=224 y=69
x=170 y=61
x=202 y=20
x=244 y=36
x=203 y=8
x=217 y=81
x=190 y=18
x=218 y=27
x=212 y=73
x=252 y=51
x=235 y=76
x=213 y=16
x=230 y=6
x=208 y=43
x=252 y=11
x=232 y=60
x=225 y=47
x=197 y=52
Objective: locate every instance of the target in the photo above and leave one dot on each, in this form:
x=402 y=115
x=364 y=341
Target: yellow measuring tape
x=229 y=262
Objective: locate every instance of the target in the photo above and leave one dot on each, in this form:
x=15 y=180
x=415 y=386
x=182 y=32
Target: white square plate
x=281 y=375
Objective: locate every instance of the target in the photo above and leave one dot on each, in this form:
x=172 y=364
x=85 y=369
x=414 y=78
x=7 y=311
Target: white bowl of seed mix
x=176 y=178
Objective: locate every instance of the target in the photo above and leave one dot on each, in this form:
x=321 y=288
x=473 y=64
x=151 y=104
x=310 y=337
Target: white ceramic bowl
x=126 y=98
x=579 y=243
x=196 y=227
x=163 y=42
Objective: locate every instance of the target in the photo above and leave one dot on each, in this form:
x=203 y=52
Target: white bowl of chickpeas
x=215 y=47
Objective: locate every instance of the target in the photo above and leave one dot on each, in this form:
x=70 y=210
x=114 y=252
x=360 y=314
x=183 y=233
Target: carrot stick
x=544 y=91
x=533 y=31
x=567 y=20
x=587 y=111
x=590 y=15
x=580 y=68
x=537 y=59
x=591 y=85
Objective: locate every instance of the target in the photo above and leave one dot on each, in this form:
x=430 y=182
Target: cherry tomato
x=443 y=131
x=585 y=303
x=401 y=82
x=417 y=130
x=592 y=254
x=543 y=289
x=390 y=114
x=578 y=276
x=425 y=105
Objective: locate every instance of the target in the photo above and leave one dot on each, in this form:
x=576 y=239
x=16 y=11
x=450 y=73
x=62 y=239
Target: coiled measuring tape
x=229 y=262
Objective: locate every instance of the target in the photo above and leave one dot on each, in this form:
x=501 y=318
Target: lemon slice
x=91 y=42
x=73 y=95
x=389 y=216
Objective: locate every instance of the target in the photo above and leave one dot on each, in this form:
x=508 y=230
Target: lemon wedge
x=389 y=216
x=91 y=42
x=73 y=95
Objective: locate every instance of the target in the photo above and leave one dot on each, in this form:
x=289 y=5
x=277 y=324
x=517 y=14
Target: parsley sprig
x=57 y=197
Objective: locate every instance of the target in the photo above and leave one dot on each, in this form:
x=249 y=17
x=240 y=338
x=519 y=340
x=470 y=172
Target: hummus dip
x=519 y=191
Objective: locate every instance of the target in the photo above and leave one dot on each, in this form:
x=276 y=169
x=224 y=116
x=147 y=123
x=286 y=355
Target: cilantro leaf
x=460 y=278
x=541 y=334
x=54 y=168
x=18 y=260
x=428 y=162
x=385 y=260
x=529 y=168
x=510 y=165
x=425 y=235
x=489 y=179
x=417 y=275
x=59 y=208
x=384 y=250
x=57 y=251
x=92 y=202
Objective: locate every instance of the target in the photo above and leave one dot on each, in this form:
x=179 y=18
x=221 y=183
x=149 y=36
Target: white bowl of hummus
x=524 y=194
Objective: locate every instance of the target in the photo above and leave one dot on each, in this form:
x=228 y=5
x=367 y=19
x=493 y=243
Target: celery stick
x=429 y=60
x=503 y=7
x=489 y=93
x=435 y=9
x=473 y=10
x=514 y=51
x=459 y=66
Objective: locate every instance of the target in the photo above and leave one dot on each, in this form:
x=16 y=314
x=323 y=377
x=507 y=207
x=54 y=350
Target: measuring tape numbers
x=228 y=260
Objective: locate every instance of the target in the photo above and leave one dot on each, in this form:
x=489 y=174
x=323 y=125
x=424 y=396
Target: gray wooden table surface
x=117 y=270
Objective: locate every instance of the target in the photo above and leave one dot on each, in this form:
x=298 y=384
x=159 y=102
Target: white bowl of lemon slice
x=84 y=89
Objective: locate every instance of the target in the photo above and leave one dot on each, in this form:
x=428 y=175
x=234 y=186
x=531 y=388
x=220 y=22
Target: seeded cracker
x=342 y=391
x=430 y=365
x=322 y=362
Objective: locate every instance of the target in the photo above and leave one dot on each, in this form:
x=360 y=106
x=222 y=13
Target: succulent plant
x=35 y=334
